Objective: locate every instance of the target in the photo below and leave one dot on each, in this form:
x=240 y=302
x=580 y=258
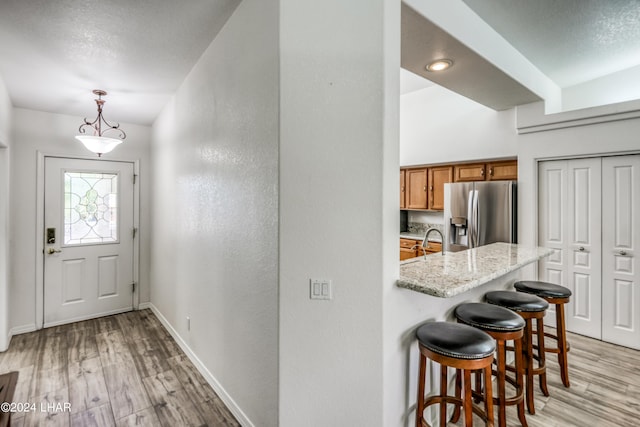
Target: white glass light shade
x=99 y=144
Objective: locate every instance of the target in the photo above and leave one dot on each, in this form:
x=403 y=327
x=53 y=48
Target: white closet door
x=552 y=211
x=584 y=250
x=621 y=238
x=570 y=221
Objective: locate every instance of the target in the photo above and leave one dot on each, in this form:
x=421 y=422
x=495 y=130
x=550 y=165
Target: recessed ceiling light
x=439 y=65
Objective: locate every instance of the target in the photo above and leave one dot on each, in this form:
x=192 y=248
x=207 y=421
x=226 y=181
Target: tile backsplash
x=421 y=227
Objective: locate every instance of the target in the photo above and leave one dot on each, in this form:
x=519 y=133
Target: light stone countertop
x=454 y=273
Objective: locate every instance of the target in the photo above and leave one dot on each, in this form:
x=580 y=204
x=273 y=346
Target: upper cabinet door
x=470 y=172
x=402 y=189
x=416 y=188
x=438 y=177
x=620 y=252
x=502 y=170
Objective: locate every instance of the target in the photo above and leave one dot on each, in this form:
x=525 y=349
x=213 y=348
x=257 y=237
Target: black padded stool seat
x=542 y=289
x=455 y=340
x=489 y=317
x=530 y=307
x=559 y=296
x=463 y=348
x=516 y=301
x=503 y=325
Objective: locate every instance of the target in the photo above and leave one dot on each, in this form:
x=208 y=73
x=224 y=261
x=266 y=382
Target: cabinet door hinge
x=135 y=178
x=134 y=232
x=133 y=287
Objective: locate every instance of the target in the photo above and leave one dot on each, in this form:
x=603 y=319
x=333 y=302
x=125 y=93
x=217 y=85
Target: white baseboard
x=17 y=331
x=22 y=329
x=217 y=387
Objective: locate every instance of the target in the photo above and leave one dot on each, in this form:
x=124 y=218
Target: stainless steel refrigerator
x=479 y=213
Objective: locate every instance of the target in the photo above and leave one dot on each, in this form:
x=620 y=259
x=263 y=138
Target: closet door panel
x=584 y=245
x=620 y=258
x=552 y=212
x=569 y=219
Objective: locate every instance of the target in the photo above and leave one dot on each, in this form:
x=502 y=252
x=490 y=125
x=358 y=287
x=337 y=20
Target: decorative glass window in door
x=90 y=208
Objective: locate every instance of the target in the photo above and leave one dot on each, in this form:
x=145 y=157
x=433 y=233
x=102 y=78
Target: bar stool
x=558 y=295
x=503 y=325
x=461 y=347
x=529 y=307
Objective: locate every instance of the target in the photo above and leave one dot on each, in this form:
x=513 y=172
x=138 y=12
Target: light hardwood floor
x=122 y=370
x=604 y=392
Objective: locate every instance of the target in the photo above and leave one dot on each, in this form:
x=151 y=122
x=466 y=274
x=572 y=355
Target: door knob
x=581 y=249
x=623 y=253
x=51 y=251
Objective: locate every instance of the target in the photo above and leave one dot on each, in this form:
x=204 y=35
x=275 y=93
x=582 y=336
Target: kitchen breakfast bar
x=453 y=273
x=436 y=284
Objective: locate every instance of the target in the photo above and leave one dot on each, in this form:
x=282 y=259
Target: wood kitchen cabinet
x=432 y=248
x=469 y=172
x=416 y=188
x=502 y=170
x=410 y=248
x=422 y=188
x=438 y=177
x=402 y=189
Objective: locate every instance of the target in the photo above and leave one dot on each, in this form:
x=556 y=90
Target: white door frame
x=39 y=279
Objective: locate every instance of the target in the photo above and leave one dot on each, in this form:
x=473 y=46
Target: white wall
x=215 y=211
x=48 y=133
x=339 y=77
x=6 y=110
x=438 y=126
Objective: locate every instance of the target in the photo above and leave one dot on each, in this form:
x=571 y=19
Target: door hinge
x=135 y=178
x=133 y=287
x=134 y=232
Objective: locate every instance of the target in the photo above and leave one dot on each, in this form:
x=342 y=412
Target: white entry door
x=570 y=221
x=621 y=255
x=89 y=235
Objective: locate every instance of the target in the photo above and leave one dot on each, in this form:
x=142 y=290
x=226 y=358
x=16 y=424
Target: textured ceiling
x=53 y=53
x=571 y=41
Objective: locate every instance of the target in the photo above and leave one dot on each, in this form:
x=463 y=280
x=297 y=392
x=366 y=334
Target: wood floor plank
x=171 y=403
x=99 y=416
x=45 y=381
x=131 y=326
x=106 y=324
x=87 y=387
x=126 y=391
x=81 y=344
x=53 y=353
x=148 y=357
x=113 y=349
x=44 y=415
x=145 y=418
x=215 y=413
x=22 y=352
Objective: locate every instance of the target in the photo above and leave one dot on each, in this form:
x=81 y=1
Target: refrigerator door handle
x=470 y=223
x=476 y=219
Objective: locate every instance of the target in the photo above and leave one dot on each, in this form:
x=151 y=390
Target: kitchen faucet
x=425 y=242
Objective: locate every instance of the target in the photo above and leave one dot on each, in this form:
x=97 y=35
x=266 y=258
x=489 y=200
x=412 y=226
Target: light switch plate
x=320 y=289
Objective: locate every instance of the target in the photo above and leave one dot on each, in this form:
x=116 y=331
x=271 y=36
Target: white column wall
x=6 y=110
x=49 y=133
x=339 y=91
x=215 y=212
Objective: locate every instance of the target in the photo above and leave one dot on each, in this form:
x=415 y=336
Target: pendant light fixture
x=98 y=143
